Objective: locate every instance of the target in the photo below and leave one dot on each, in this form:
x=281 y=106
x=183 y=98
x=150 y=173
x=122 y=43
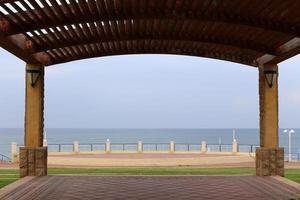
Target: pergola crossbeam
x=287 y=50
x=16 y=45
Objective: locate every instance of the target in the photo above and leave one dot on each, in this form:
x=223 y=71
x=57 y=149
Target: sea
x=191 y=136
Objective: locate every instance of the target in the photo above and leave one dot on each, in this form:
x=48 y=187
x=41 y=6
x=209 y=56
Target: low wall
x=142 y=148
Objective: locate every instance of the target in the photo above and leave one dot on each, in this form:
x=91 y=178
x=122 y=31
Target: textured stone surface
x=33 y=161
x=269 y=161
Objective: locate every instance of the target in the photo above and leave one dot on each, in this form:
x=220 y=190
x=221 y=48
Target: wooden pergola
x=258 y=33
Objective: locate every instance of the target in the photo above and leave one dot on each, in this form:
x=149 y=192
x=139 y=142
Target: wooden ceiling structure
x=249 y=32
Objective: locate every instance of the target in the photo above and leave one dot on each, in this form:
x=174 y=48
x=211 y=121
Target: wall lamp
x=271 y=77
x=33 y=75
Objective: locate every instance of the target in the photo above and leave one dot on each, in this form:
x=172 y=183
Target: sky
x=148 y=91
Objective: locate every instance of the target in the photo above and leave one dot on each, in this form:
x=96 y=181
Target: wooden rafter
x=51 y=32
x=226 y=18
x=216 y=40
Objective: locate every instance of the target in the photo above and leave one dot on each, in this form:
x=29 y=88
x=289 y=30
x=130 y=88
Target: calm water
x=244 y=136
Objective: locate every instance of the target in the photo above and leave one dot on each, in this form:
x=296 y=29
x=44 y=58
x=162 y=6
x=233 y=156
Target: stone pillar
x=235 y=146
x=140 y=147
x=203 y=147
x=33 y=161
x=76 y=147
x=269 y=161
x=33 y=157
x=107 y=146
x=172 y=147
x=13 y=152
x=269 y=158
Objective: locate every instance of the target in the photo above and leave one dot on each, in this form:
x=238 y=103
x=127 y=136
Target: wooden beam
x=285 y=51
x=16 y=45
x=188 y=52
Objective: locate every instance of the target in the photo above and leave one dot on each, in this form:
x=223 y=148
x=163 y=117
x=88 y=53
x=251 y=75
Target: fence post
x=172 y=147
x=203 y=147
x=14 y=155
x=107 y=146
x=76 y=147
x=140 y=147
x=45 y=143
x=234 y=146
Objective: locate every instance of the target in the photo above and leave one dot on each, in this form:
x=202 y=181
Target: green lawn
x=9 y=176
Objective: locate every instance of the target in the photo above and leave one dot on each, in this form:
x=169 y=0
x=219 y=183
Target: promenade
x=152 y=160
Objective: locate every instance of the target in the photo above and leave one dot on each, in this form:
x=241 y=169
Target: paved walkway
x=152 y=160
x=149 y=187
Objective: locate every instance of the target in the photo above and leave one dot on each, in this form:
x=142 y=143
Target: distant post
x=234 y=146
x=140 y=146
x=76 y=147
x=203 y=147
x=45 y=143
x=107 y=146
x=172 y=147
x=13 y=153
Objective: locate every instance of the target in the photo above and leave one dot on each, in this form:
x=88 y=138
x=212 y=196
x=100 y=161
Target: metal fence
x=294 y=156
x=150 y=147
x=156 y=147
x=4 y=159
x=181 y=147
x=178 y=147
x=70 y=147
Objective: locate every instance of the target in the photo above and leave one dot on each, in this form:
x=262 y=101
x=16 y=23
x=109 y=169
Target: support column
x=33 y=156
x=140 y=147
x=269 y=157
x=13 y=152
x=235 y=146
x=107 y=146
x=172 y=147
x=203 y=147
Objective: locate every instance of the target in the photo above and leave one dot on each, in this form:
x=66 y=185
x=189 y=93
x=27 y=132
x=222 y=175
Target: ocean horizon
x=147 y=135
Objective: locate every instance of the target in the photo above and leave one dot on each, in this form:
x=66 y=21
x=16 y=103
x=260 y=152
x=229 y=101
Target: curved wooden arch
x=153 y=47
x=250 y=31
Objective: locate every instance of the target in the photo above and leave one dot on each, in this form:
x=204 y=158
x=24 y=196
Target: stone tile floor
x=149 y=187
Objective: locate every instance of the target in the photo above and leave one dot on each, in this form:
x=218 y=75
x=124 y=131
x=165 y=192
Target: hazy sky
x=148 y=91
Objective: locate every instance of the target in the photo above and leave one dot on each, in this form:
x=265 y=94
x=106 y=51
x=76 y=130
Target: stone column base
x=270 y=162
x=33 y=161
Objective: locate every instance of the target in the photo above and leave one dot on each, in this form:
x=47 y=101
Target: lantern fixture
x=33 y=76
x=271 y=77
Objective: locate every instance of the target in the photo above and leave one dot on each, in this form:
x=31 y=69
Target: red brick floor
x=151 y=187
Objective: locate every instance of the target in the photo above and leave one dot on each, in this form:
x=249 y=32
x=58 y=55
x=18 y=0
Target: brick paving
x=151 y=187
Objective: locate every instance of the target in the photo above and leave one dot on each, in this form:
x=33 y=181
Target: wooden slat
x=252 y=21
x=251 y=31
x=112 y=35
